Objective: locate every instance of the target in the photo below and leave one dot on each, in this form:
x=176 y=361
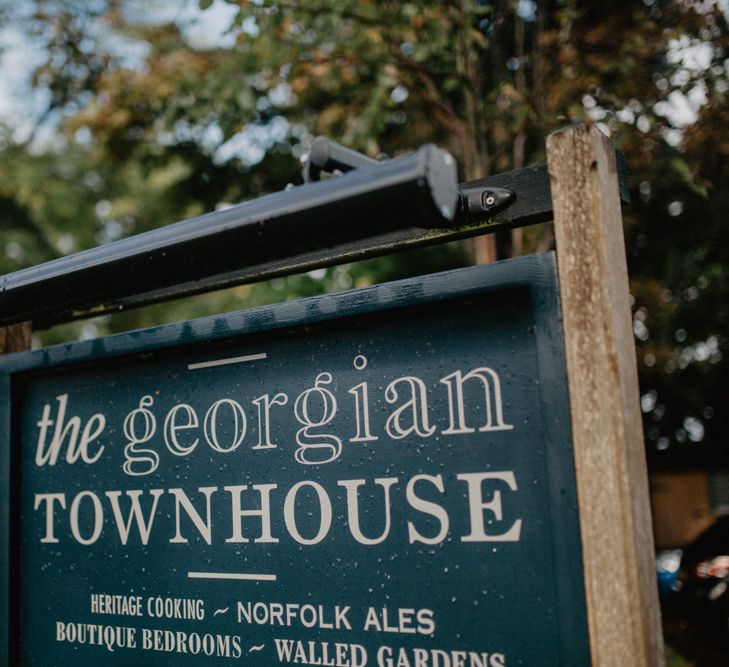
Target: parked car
x=668 y=564
x=702 y=586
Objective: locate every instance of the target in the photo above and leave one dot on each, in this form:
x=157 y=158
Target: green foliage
x=674 y=659
x=150 y=126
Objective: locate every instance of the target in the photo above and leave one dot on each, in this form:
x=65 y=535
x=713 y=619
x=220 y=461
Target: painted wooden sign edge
x=538 y=273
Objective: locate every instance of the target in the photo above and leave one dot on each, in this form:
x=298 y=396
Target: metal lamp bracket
x=476 y=202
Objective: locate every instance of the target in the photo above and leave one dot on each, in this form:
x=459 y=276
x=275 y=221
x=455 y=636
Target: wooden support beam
x=15 y=337
x=615 y=522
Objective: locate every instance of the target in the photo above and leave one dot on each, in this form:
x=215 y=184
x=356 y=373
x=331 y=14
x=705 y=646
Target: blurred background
x=119 y=116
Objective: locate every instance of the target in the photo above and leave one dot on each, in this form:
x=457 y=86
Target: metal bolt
x=489 y=199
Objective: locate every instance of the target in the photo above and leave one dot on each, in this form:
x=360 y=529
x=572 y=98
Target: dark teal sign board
x=380 y=477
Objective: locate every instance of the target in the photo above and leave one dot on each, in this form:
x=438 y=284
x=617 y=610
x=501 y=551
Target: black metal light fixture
x=372 y=208
x=417 y=190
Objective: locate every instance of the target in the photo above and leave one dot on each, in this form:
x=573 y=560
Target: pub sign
x=381 y=477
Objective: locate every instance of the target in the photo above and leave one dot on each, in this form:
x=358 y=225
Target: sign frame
x=535 y=273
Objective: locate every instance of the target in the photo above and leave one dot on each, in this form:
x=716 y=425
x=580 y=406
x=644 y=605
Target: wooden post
x=15 y=337
x=612 y=484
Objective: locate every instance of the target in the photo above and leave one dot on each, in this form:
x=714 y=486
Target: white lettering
x=264 y=513
x=414 y=410
x=98 y=517
x=353 y=508
x=492 y=396
x=426 y=507
x=325 y=513
x=477 y=506
x=264 y=403
x=135 y=513
x=172 y=426
x=49 y=499
x=205 y=528
x=240 y=425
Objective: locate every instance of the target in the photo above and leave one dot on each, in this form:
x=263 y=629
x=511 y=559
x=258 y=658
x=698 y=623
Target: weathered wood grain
x=617 y=539
x=15 y=337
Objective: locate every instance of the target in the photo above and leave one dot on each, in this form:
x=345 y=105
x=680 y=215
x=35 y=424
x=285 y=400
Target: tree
x=153 y=128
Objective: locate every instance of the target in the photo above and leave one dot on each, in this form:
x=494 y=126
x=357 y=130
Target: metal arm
x=378 y=208
x=475 y=202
